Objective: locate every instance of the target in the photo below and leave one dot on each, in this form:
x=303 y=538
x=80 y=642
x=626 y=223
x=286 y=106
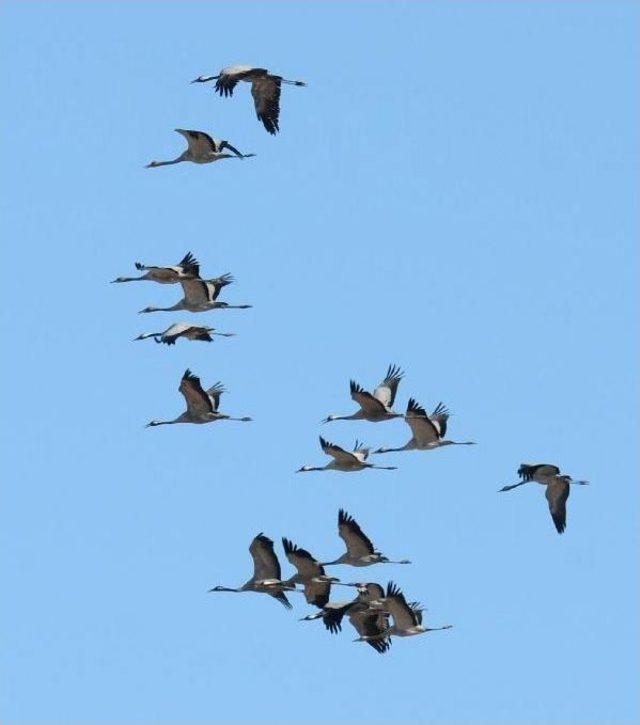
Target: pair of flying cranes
x=265 y=89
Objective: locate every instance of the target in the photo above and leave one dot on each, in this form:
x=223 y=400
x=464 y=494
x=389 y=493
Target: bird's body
x=265 y=89
x=187 y=268
x=184 y=329
x=376 y=406
x=200 y=295
x=266 y=573
x=202 y=406
x=346 y=461
x=428 y=430
x=407 y=617
x=360 y=550
x=557 y=488
x=202 y=149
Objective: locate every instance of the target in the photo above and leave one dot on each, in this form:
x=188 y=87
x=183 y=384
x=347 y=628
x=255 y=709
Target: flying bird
x=201 y=149
x=184 y=329
x=266 y=572
x=201 y=295
x=428 y=430
x=187 y=268
x=355 y=460
x=360 y=551
x=368 y=621
x=202 y=406
x=265 y=89
x=558 y=487
x=310 y=573
x=407 y=617
x=377 y=406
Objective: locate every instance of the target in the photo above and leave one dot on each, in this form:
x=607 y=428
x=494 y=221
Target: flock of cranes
x=376 y=613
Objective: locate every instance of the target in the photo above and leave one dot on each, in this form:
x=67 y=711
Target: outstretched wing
x=365 y=400
x=198 y=402
x=557 y=494
x=214 y=286
x=423 y=428
x=189 y=265
x=265 y=561
x=386 y=391
x=306 y=565
x=336 y=452
x=358 y=544
x=404 y=617
x=214 y=392
x=266 y=97
x=230 y=76
x=200 y=143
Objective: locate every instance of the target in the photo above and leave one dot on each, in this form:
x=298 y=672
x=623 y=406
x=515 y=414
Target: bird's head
x=153 y=423
x=217 y=589
x=151 y=165
x=329 y=418
x=304 y=468
x=146 y=309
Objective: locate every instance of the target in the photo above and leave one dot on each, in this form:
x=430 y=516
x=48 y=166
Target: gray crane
x=265 y=89
x=202 y=406
x=375 y=406
x=407 y=617
x=187 y=268
x=267 y=577
x=360 y=550
x=347 y=461
x=557 y=488
x=201 y=149
x=200 y=295
x=428 y=430
x=186 y=330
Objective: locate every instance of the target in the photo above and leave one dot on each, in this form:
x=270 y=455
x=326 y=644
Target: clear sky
x=455 y=191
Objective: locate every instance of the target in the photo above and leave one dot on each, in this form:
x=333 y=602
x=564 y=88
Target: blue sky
x=455 y=191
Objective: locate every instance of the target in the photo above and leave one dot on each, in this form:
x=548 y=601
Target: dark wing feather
x=266 y=97
x=386 y=391
x=197 y=400
x=557 y=494
x=189 y=265
x=358 y=543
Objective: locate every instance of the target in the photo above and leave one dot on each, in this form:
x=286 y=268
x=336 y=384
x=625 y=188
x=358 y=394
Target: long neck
x=174 y=308
x=456 y=443
x=514 y=485
x=313 y=468
x=293 y=83
x=153 y=164
x=353 y=416
x=335 y=561
x=384 y=468
x=406 y=447
x=146 y=335
x=224 y=589
x=130 y=279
